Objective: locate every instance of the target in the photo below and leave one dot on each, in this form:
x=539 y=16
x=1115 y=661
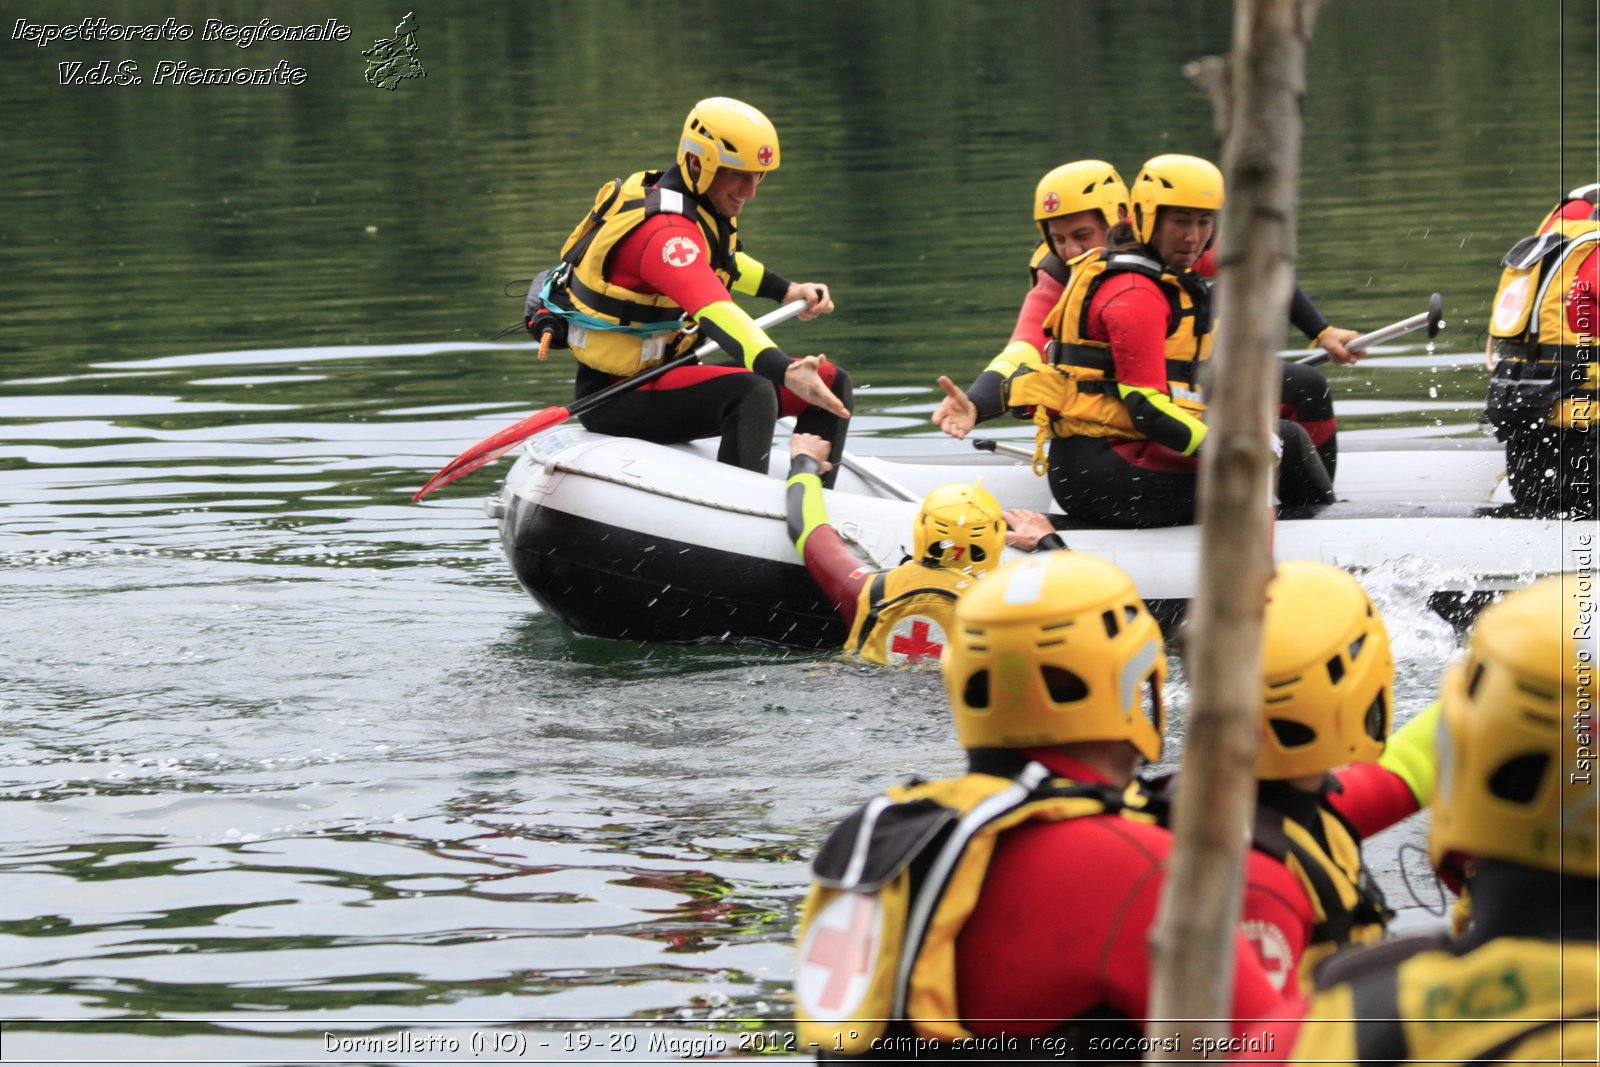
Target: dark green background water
x=285 y=754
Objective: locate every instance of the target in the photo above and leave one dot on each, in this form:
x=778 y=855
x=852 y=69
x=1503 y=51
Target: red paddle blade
x=492 y=448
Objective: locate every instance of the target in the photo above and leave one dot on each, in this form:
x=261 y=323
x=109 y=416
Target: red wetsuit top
x=1061 y=926
x=1370 y=798
x=1044 y=296
x=654 y=258
x=839 y=572
x=1131 y=313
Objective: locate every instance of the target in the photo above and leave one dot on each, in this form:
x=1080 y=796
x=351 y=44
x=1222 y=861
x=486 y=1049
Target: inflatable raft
x=625 y=539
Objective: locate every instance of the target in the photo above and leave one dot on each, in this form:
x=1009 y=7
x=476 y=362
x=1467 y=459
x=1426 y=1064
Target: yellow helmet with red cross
x=723 y=132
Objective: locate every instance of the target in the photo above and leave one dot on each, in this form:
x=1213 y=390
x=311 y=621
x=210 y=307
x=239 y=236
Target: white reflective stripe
x=577 y=336
x=1025 y=583
x=1133 y=673
x=1555 y=272
x=672 y=201
x=933 y=886
x=1183 y=392
x=858 y=852
x=1136 y=260
x=652 y=351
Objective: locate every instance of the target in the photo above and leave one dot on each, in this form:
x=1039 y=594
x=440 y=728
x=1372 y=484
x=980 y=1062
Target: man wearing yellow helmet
x=660 y=250
x=899 y=616
x=1516 y=816
x=1328 y=777
x=1075 y=205
x=1120 y=405
x=1007 y=912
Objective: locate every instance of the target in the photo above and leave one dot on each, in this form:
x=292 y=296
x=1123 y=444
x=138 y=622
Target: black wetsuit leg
x=688 y=404
x=1095 y=485
x=1308 y=401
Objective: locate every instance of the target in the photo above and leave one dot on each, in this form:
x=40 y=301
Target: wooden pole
x=1258 y=113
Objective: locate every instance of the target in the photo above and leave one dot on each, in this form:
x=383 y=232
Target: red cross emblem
x=680 y=252
x=764 y=154
x=837 y=958
x=1272 y=948
x=915 y=640
x=1051 y=202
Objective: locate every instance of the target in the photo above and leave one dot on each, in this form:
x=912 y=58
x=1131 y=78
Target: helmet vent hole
x=1472 y=682
x=1517 y=779
x=1152 y=702
x=1376 y=717
x=1335 y=670
x=1130 y=612
x=1110 y=619
x=976 y=694
x=977 y=554
x=1538 y=692
x=1064 y=686
x=1355 y=647
x=729 y=145
x=1291 y=734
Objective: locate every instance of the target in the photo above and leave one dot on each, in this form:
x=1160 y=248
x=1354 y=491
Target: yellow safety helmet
x=723 y=132
x=1173 y=181
x=960 y=526
x=1517 y=735
x=1327 y=692
x=1086 y=185
x=1055 y=649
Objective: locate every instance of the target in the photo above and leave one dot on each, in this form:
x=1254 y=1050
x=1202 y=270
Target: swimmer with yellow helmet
x=899 y=616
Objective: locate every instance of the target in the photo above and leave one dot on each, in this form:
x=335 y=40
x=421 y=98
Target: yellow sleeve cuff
x=1013 y=357
x=751 y=271
x=1412 y=755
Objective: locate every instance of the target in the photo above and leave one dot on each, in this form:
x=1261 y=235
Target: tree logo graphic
x=393 y=60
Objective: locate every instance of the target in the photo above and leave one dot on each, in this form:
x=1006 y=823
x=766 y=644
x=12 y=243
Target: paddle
x=1432 y=319
x=496 y=445
x=986 y=444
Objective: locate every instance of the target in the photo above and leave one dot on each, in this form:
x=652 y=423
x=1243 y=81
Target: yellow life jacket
x=617 y=330
x=1346 y=904
x=1075 y=393
x=1546 y=371
x=903 y=614
x=895 y=883
x=1511 y=1000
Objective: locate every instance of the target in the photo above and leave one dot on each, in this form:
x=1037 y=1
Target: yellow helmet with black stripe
x=1517 y=738
x=960 y=526
x=1056 y=649
x=1327 y=671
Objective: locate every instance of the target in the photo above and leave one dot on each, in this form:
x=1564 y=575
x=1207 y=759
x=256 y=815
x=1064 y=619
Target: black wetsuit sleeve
x=985 y=394
x=1304 y=316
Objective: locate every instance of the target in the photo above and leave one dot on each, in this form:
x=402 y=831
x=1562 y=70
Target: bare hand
x=803 y=381
x=1333 y=342
x=956 y=414
x=809 y=444
x=815 y=294
x=1024 y=529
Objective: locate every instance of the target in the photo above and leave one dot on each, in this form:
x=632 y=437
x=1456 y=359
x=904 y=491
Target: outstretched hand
x=1333 y=341
x=956 y=414
x=803 y=380
x=1024 y=529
